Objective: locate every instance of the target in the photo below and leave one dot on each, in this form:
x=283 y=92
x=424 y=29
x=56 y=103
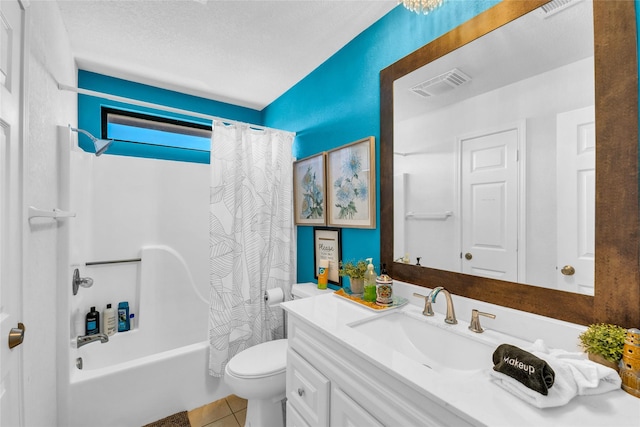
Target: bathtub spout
x=87 y=339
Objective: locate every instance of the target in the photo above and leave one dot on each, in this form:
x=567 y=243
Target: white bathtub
x=143 y=390
x=156 y=369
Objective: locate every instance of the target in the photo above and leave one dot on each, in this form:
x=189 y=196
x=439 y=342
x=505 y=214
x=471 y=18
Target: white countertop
x=469 y=394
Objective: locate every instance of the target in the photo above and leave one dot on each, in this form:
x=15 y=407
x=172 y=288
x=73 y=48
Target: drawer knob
x=300 y=392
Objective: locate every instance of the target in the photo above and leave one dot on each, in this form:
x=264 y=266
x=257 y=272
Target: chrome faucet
x=88 y=339
x=450 y=317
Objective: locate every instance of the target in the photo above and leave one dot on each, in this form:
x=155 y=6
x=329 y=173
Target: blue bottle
x=123 y=316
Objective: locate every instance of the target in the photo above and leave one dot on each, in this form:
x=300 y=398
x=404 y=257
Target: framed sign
x=327 y=245
x=309 y=194
x=351 y=185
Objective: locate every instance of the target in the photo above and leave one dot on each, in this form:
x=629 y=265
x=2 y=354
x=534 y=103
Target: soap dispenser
x=384 y=288
x=369 y=282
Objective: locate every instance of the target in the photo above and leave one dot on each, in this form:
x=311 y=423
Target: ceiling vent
x=555 y=6
x=443 y=83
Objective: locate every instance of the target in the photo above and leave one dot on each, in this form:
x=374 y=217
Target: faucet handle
x=428 y=311
x=475 y=320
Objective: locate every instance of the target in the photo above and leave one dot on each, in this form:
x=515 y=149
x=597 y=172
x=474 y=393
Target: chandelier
x=421 y=6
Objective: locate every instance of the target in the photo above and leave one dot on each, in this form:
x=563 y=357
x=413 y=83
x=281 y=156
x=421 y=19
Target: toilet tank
x=305 y=290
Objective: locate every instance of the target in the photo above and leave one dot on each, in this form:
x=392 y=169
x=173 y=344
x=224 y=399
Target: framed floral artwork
x=351 y=185
x=309 y=190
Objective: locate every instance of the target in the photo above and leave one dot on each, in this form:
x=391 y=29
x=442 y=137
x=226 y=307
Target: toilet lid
x=261 y=360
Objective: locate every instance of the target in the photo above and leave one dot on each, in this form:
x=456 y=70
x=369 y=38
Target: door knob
x=16 y=335
x=568 y=270
x=468 y=255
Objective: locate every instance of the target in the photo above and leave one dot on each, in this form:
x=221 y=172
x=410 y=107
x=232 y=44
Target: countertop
x=469 y=394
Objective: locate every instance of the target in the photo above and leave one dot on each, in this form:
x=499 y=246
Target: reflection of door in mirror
x=576 y=200
x=489 y=204
x=531 y=71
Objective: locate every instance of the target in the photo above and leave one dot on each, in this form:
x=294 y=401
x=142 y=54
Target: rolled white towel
x=574 y=375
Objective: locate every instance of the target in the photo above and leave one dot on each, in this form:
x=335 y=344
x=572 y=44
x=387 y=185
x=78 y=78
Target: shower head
x=100 y=145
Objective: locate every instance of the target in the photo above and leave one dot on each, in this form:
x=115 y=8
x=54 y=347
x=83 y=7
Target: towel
x=574 y=375
x=529 y=370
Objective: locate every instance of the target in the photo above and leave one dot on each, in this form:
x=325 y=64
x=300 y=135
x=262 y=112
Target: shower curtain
x=251 y=237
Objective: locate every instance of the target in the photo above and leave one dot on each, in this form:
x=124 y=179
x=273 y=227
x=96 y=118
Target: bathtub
x=158 y=368
x=143 y=390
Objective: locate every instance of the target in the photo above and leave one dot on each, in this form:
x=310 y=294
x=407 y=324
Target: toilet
x=258 y=373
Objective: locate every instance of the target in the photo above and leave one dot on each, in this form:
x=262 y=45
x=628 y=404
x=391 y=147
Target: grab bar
x=117 y=261
x=54 y=213
x=438 y=215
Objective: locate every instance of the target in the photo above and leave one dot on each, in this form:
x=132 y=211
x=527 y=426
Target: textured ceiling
x=246 y=53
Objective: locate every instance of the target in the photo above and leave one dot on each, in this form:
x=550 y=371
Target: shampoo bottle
x=369 y=282
x=109 y=320
x=92 y=322
x=123 y=316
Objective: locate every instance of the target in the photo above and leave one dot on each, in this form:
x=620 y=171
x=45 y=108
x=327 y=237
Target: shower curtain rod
x=157 y=106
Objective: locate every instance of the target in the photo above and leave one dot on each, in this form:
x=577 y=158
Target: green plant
x=353 y=269
x=604 y=339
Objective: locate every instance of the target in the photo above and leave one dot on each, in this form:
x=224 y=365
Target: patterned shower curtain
x=251 y=237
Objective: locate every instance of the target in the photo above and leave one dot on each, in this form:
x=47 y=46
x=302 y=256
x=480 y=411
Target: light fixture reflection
x=422 y=6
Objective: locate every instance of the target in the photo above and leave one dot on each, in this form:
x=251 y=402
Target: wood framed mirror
x=617 y=247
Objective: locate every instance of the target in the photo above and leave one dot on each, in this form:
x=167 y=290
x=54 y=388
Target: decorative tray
x=397 y=301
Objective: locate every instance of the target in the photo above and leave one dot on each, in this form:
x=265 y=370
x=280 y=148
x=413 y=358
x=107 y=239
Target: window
x=145 y=135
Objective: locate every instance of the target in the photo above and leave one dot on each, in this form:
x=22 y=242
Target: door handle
x=16 y=335
x=568 y=270
x=468 y=255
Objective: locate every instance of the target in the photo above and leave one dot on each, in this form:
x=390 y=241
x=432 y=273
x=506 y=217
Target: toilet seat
x=272 y=357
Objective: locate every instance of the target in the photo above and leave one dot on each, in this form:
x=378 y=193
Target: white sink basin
x=440 y=347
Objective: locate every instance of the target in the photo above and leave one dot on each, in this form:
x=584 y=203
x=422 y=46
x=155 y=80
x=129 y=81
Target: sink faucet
x=474 y=325
x=451 y=314
x=88 y=339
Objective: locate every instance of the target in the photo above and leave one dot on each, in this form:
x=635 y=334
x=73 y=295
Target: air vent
x=443 y=83
x=555 y=6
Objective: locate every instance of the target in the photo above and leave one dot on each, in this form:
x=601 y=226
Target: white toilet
x=258 y=374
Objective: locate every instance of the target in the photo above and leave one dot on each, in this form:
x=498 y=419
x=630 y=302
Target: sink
x=439 y=347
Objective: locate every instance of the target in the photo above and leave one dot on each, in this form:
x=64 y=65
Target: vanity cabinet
x=329 y=384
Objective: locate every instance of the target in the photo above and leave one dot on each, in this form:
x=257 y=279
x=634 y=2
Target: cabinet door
x=307 y=390
x=346 y=412
x=294 y=419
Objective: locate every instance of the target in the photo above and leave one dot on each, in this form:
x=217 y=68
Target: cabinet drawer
x=307 y=390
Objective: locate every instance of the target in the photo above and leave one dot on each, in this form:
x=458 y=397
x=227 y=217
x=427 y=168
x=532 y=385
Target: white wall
x=432 y=174
x=49 y=61
x=127 y=204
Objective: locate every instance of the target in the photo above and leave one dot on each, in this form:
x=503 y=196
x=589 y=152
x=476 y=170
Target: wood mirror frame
x=617 y=276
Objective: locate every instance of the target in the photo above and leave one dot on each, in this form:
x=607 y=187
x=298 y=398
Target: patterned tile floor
x=228 y=412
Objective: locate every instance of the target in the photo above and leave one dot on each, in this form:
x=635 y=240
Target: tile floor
x=228 y=412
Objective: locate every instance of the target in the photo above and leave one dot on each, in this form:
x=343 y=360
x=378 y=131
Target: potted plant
x=603 y=343
x=355 y=271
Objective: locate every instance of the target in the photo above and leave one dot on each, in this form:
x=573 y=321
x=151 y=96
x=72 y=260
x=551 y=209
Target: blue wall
x=339 y=102
x=89 y=113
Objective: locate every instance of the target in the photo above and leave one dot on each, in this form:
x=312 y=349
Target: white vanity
x=339 y=373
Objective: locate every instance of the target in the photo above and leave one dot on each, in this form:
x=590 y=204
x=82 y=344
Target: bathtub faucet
x=88 y=339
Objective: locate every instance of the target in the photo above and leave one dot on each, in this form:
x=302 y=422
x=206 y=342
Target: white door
x=576 y=173
x=11 y=101
x=489 y=204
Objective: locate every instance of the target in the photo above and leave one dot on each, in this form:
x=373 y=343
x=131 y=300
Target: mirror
x=487 y=177
x=617 y=294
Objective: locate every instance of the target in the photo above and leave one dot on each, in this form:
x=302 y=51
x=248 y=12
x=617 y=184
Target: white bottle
x=109 y=320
